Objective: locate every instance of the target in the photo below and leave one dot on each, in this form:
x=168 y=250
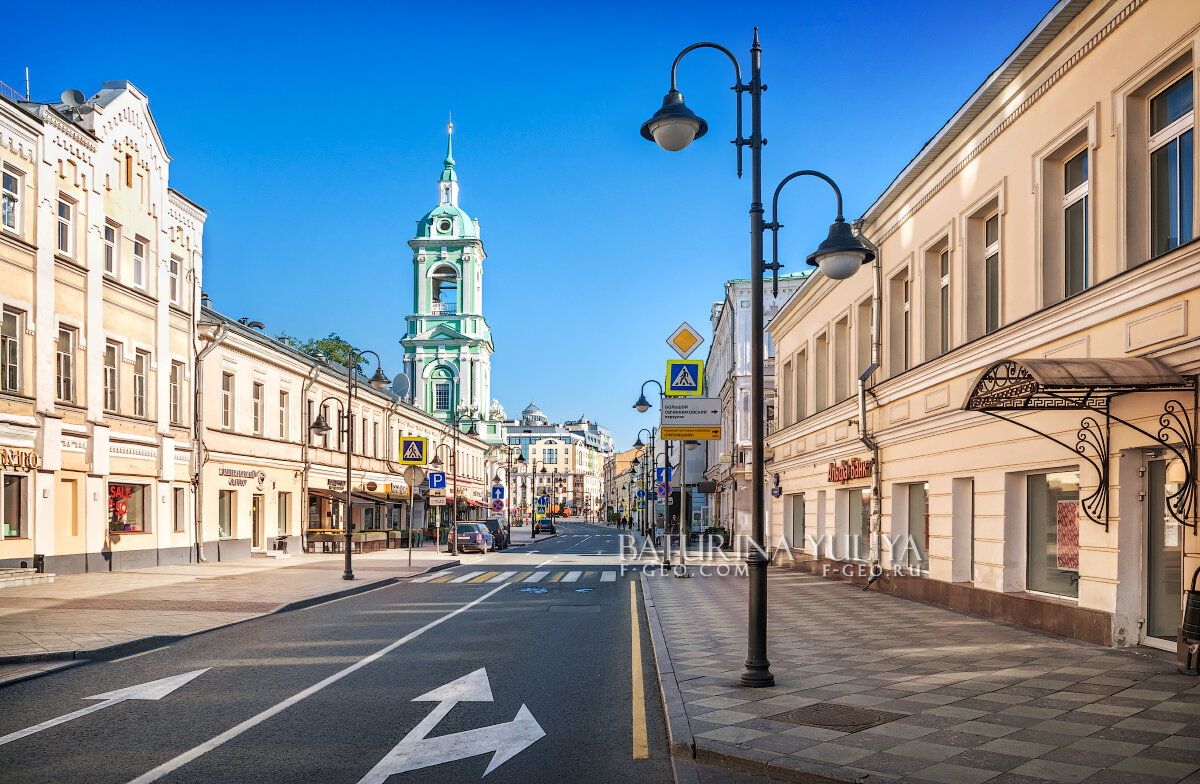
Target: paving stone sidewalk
x=44 y=625
x=977 y=700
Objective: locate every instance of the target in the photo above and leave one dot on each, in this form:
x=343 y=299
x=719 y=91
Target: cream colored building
x=102 y=262
x=1040 y=280
x=266 y=476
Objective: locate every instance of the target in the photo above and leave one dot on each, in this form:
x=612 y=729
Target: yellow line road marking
x=641 y=749
x=143 y=653
x=557 y=576
x=521 y=576
x=445 y=579
x=588 y=575
x=483 y=578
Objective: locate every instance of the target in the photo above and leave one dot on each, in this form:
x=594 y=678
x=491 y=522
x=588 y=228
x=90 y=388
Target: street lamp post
x=644 y=523
x=453 y=462
x=508 y=464
x=673 y=127
x=320 y=427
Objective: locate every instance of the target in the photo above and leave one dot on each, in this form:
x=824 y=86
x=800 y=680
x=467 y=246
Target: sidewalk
x=872 y=687
x=49 y=626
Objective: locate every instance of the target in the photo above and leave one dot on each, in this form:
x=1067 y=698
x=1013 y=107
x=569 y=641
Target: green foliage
x=333 y=348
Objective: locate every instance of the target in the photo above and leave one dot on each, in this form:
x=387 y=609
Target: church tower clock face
x=447 y=343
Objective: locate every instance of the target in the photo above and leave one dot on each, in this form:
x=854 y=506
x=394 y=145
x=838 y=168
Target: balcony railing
x=444 y=308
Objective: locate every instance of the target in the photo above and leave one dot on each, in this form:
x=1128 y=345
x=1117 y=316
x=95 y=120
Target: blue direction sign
x=497 y=492
x=663 y=476
x=437 y=480
x=685 y=377
x=641 y=493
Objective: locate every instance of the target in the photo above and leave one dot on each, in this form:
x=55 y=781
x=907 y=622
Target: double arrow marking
x=153 y=690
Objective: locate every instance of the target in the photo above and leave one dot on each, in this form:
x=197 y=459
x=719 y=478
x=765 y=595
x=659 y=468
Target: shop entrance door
x=256 y=522
x=1163 y=587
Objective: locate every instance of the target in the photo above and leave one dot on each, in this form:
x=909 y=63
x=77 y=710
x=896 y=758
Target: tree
x=333 y=348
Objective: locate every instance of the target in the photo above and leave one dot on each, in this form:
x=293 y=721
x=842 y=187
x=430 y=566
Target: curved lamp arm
x=642 y=404
x=775 y=225
x=738 y=88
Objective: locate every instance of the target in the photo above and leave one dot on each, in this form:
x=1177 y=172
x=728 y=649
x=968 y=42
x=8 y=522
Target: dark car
x=473 y=536
x=545 y=526
x=496 y=526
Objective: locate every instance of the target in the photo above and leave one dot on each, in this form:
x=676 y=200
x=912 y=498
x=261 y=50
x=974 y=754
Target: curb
x=681 y=742
x=147 y=643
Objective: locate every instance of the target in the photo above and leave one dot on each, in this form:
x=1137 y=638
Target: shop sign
x=370 y=487
x=337 y=484
x=19 y=459
x=240 y=477
x=848 y=470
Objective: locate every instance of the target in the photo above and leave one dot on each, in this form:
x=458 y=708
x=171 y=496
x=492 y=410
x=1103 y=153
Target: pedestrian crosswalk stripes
x=526 y=577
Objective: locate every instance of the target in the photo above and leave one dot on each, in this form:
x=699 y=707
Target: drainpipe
x=867 y=439
x=198 y=429
x=304 y=439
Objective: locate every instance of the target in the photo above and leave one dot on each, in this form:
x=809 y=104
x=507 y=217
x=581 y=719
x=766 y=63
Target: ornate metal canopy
x=1013 y=385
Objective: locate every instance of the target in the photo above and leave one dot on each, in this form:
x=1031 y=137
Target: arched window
x=445 y=291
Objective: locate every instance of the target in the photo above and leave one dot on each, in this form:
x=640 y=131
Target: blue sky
x=314 y=134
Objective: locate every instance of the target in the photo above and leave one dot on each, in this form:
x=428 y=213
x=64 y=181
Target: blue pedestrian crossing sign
x=640 y=506
x=437 y=480
x=497 y=492
x=413 y=451
x=685 y=377
x=663 y=476
x=540 y=507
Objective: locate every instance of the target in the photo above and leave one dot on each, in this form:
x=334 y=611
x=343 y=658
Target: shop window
x=796 y=536
x=314 y=512
x=225 y=514
x=917 y=554
x=127 y=508
x=12 y=329
x=1053 y=536
x=179 y=508
x=12 y=507
x=283 y=505
x=859 y=524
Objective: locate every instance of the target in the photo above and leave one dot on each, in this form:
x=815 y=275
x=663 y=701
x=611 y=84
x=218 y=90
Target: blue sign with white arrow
x=498 y=492
x=437 y=480
x=662 y=476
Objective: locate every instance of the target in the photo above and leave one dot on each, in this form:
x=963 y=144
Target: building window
x=12 y=507
x=936 y=301
x=112 y=379
x=796 y=536
x=127 y=508
x=141 y=363
x=821 y=372
x=1171 y=167
x=550 y=456
x=801 y=385
x=225 y=514
x=139 y=264
x=362 y=448
x=1075 y=223
x=227 y=401
x=176 y=393
x=841 y=359
x=173 y=279
x=917 y=552
x=283 y=505
x=944 y=302
x=256 y=404
x=65 y=211
x=441 y=396
x=179 y=508
x=128 y=170
x=899 y=330
x=1053 y=551
x=10 y=201
x=11 y=329
x=336 y=426
x=991 y=274
x=283 y=415
x=375 y=439
x=110 y=250
x=859 y=524
x=445 y=292
x=64 y=387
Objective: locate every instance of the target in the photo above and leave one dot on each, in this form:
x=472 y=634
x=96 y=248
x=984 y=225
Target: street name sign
x=685 y=340
x=691 y=433
x=690 y=412
x=413 y=451
x=685 y=377
x=437 y=500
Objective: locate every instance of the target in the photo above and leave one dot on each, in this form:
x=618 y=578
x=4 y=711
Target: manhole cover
x=831 y=716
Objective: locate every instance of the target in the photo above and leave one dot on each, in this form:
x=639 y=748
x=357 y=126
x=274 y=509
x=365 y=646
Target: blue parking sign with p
x=437 y=480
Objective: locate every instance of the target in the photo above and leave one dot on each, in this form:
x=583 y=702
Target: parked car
x=498 y=530
x=473 y=536
x=545 y=526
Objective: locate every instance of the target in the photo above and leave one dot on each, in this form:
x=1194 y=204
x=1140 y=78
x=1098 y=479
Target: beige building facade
x=1035 y=408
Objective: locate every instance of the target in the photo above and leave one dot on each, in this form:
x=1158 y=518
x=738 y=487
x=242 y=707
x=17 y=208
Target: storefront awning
x=1015 y=385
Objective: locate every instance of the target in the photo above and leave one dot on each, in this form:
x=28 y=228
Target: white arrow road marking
x=416 y=750
x=231 y=733
x=153 y=690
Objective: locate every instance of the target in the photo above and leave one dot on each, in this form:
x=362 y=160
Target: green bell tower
x=448 y=344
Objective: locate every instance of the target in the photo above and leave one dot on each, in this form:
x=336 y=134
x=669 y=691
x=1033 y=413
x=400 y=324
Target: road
x=328 y=693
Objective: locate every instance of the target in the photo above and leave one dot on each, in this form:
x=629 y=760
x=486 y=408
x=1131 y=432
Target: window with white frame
x=176 y=383
x=991 y=273
x=173 y=279
x=283 y=415
x=14 y=516
x=227 y=401
x=944 y=301
x=139 y=263
x=841 y=359
x=10 y=201
x=112 y=379
x=801 y=385
x=141 y=366
x=1075 y=224
x=899 y=330
x=441 y=396
x=936 y=300
x=821 y=372
x=179 y=509
x=375 y=439
x=256 y=408
x=1171 y=166
x=66 y=211
x=64 y=365
x=110 y=249
x=12 y=327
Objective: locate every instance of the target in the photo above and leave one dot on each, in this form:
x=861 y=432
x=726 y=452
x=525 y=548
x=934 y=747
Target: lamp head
x=642 y=404
x=674 y=126
x=472 y=430
x=379 y=380
x=320 y=427
x=521 y=460
x=841 y=254
x=436 y=462
x=638 y=444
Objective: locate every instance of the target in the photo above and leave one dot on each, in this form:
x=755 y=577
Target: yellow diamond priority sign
x=685 y=340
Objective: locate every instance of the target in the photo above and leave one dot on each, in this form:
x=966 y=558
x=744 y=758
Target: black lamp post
x=673 y=127
x=508 y=464
x=320 y=427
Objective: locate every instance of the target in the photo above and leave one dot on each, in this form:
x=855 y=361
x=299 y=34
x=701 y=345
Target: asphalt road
x=327 y=693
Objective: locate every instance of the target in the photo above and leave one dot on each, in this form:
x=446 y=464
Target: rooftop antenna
x=27 y=83
x=76 y=104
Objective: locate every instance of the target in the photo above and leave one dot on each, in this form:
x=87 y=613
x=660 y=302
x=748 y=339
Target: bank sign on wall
x=849 y=470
